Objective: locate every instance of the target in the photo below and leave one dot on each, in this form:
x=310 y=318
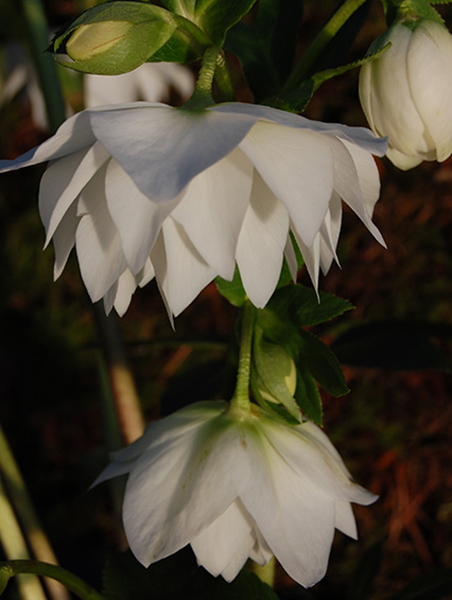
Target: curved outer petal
x=74 y=134
x=191 y=480
x=163 y=149
x=213 y=209
x=297 y=165
x=295 y=517
x=261 y=243
x=64 y=239
x=429 y=69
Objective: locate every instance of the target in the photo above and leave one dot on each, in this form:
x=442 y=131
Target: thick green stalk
x=202 y=96
x=13 y=543
x=73 y=583
x=28 y=517
x=304 y=67
x=223 y=80
x=241 y=400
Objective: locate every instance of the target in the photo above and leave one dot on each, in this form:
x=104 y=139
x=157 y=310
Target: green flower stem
x=241 y=399
x=223 y=80
x=202 y=95
x=29 y=520
x=303 y=69
x=13 y=543
x=73 y=583
x=39 y=40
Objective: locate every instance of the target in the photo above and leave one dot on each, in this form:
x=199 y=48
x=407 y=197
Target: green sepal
x=232 y=290
x=138 y=30
x=414 y=12
x=274 y=371
x=308 y=397
x=302 y=306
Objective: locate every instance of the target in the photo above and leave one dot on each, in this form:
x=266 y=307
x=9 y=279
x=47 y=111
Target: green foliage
x=291 y=308
x=174 y=578
x=232 y=290
x=266 y=52
x=394 y=345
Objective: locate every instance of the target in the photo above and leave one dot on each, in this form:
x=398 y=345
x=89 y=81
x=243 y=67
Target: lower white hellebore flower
x=234 y=486
x=144 y=190
x=406 y=93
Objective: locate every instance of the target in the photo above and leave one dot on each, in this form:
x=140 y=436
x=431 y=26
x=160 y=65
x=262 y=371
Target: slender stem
x=122 y=386
x=14 y=545
x=304 y=68
x=73 y=583
x=25 y=510
x=241 y=400
x=45 y=65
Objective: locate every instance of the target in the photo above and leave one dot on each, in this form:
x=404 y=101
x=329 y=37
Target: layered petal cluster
x=144 y=190
x=236 y=486
x=406 y=93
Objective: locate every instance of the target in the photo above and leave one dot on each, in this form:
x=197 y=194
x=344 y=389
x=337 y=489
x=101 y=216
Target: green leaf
x=437 y=585
x=301 y=305
x=295 y=101
x=232 y=290
x=307 y=396
x=393 y=345
x=216 y=17
x=114 y=37
x=322 y=364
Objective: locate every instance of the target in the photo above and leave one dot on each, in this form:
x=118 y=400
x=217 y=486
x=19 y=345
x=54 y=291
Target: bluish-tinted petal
x=163 y=148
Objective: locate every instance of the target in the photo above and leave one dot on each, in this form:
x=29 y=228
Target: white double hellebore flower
x=406 y=94
x=146 y=190
x=236 y=486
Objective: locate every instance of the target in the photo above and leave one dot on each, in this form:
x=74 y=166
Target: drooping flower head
x=406 y=94
x=146 y=190
x=234 y=486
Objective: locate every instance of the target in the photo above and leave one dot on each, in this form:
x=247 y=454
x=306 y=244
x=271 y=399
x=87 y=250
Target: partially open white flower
x=406 y=93
x=235 y=486
x=145 y=189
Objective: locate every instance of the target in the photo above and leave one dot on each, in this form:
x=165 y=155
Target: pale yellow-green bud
x=89 y=40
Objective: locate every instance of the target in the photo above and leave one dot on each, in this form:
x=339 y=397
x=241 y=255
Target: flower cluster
x=236 y=485
x=145 y=190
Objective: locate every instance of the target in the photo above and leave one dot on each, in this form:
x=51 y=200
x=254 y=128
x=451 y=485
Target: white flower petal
x=213 y=209
x=74 y=134
x=238 y=560
x=296 y=519
x=138 y=219
x=297 y=165
x=344 y=519
x=261 y=243
x=63 y=181
x=64 y=239
x=291 y=258
x=429 y=69
x=97 y=241
x=187 y=273
x=163 y=149
x=216 y=545
x=329 y=234
x=182 y=479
